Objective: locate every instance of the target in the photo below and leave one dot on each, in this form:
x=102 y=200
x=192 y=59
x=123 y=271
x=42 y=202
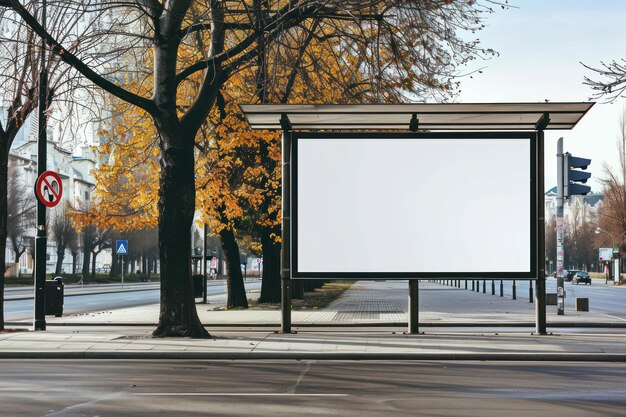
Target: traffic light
x=571 y=175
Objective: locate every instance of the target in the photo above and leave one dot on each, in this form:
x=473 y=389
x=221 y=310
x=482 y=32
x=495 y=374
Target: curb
x=562 y=325
x=344 y=356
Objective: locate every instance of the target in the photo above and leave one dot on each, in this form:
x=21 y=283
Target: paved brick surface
x=365 y=303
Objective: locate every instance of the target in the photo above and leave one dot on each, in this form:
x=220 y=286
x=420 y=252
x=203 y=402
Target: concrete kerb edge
x=290 y=355
x=591 y=325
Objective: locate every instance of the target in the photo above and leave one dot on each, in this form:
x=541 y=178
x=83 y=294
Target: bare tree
x=20 y=67
x=64 y=236
x=579 y=234
x=611 y=83
x=612 y=213
x=417 y=45
x=21 y=213
x=74 y=246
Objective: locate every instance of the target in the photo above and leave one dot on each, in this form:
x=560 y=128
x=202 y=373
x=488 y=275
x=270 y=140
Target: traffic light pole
x=41 y=239
x=285 y=256
x=560 y=252
x=540 y=294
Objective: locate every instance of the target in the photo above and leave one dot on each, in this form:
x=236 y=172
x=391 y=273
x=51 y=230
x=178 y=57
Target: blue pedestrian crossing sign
x=121 y=247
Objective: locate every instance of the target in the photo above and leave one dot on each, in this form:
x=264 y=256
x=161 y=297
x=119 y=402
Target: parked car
x=569 y=275
x=583 y=277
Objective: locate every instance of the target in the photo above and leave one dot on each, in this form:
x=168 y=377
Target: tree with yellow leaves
x=228 y=36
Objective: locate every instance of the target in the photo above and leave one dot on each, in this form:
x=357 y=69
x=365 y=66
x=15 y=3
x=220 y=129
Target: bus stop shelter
x=434 y=121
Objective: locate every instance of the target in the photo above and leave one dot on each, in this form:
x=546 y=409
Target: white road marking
x=233 y=394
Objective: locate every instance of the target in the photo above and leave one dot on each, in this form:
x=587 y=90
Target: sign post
x=121 y=249
x=48 y=190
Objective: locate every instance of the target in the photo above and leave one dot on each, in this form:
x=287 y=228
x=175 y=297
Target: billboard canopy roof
x=421 y=116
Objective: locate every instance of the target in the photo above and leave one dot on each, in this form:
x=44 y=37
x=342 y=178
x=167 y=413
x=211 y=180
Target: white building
x=588 y=204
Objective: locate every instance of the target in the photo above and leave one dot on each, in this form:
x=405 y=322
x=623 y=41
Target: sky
x=541 y=44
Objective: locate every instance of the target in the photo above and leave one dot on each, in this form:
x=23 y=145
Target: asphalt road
x=310 y=388
x=22 y=309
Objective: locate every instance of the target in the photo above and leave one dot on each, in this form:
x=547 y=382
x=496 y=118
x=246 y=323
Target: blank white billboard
x=422 y=206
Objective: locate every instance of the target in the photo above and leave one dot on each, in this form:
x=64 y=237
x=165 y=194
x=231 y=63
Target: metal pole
x=560 y=252
x=514 y=290
x=413 y=306
x=540 y=293
x=465 y=283
x=530 y=291
x=122 y=270
x=204 y=268
x=493 y=287
x=285 y=257
x=41 y=239
x=501 y=288
x=484 y=286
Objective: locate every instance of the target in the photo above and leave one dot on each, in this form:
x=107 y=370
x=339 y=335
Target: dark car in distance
x=569 y=275
x=583 y=277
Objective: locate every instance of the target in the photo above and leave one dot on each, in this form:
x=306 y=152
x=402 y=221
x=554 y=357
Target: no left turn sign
x=49 y=188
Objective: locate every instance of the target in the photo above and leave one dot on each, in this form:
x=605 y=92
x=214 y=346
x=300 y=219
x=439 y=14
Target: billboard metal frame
x=535 y=117
x=423 y=275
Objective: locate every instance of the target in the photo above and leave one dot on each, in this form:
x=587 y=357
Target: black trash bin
x=54 y=297
x=197 y=286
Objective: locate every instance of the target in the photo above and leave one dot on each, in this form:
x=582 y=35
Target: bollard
x=501 y=288
x=514 y=291
x=530 y=291
x=493 y=287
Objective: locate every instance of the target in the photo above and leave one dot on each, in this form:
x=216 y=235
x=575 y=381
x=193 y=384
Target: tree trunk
x=178 y=316
x=114 y=265
x=60 y=257
x=17 y=254
x=270 y=284
x=234 y=278
x=85 y=271
x=4 y=208
x=93 y=265
x=74 y=262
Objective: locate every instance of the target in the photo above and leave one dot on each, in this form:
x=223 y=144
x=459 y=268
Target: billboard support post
x=413 y=306
x=285 y=256
x=540 y=293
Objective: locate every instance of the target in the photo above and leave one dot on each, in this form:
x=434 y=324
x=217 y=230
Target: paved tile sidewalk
x=367 y=302
x=379 y=303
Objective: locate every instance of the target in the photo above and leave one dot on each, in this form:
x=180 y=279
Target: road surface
x=22 y=309
x=310 y=388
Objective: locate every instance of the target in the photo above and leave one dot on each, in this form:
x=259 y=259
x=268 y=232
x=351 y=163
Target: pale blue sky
x=541 y=45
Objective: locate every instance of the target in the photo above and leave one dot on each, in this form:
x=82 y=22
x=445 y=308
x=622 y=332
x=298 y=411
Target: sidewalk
x=374 y=304
x=368 y=303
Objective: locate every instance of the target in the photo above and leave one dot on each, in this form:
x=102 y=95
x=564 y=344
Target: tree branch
x=69 y=58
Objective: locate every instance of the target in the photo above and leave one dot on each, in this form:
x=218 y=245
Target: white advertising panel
x=414 y=206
